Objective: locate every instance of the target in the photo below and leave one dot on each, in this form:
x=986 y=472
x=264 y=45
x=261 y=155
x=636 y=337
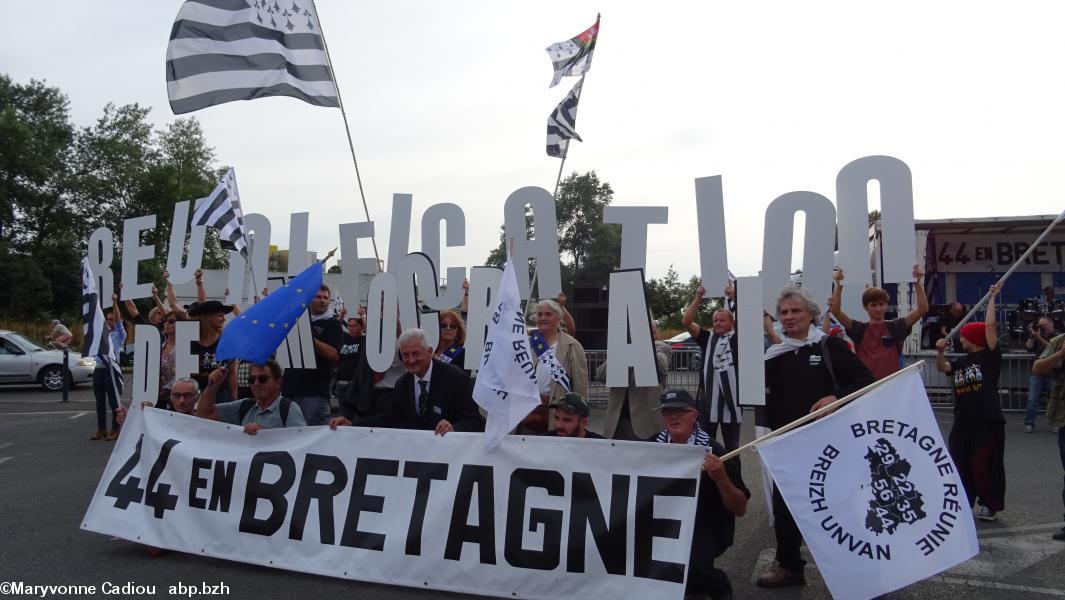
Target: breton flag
x=875 y=492
x=226 y=50
x=573 y=56
x=221 y=210
x=94 y=329
x=506 y=381
x=562 y=123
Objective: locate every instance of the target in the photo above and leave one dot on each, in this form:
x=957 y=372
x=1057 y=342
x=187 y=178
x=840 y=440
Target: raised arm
x=836 y=303
x=989 y=319
x=206 y=407
x=693 y=309
x=941 y=360
x=567 y=319
x=201 y=293
x=922 y=299
x=767 y=327
x=171 y=297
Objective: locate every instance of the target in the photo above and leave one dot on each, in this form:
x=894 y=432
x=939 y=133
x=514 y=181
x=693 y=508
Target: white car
x=24 y=361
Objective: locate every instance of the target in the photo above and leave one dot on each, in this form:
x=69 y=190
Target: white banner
x=988 y=253
x=537 y=518
x=875 y=492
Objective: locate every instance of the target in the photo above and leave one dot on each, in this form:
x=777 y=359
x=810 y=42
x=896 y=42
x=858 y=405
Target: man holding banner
x=805 y=371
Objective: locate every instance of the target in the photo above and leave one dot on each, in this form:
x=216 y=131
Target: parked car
x=24 y=361
x=687 y=355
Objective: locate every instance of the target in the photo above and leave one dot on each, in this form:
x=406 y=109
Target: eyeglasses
x=180 y=395
x=449 y=326
x=259 y=378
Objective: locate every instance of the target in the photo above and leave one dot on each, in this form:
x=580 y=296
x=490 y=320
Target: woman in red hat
x=978 y=438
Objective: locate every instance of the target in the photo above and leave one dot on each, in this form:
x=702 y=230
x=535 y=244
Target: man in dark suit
x=431 y=395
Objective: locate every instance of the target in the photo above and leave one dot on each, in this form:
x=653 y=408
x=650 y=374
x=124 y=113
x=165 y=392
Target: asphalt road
x=49 y=469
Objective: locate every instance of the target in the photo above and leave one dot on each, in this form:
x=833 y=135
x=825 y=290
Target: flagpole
x=347 y=130
x=1002 y=280
x=819 y=412
x=561 y=165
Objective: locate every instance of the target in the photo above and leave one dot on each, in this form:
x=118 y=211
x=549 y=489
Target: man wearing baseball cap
x=571 y=417
x=722 y=495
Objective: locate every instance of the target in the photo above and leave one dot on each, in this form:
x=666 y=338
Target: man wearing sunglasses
x=267 y=410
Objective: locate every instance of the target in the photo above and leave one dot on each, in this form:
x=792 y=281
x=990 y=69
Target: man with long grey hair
x=805 y=371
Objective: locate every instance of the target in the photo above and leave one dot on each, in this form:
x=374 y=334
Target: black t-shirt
x=975 y=380
x=949 y=321
x=349 y=356
x=297 y=383
x=205 y=362
x=796 y=380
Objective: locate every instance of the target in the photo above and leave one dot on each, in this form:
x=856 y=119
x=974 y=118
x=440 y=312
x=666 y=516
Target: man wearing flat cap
x=571 y=417
x=722 y=495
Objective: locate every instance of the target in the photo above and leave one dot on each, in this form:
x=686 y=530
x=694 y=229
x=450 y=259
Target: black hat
x=206 y=308
x=677 y=398
x=574 y=403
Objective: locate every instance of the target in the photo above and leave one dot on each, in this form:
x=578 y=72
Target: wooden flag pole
x=1002 y=280
x=347 y=130
x=819 y=412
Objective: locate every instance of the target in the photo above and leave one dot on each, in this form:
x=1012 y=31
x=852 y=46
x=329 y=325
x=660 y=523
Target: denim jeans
x=104 y=390
x=1037 y=386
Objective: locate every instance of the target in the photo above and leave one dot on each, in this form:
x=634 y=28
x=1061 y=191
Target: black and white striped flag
x=562 y=123
x=97 y=342
x=226 y=50
x=221 y=210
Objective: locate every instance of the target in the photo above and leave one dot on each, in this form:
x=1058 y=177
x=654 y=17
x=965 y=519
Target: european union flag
x=257 y=332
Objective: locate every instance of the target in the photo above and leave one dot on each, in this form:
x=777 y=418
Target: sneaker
x=778 y=576
x=99 y=435
x=986 y=514
x=1029 y=428
x=1059 y=536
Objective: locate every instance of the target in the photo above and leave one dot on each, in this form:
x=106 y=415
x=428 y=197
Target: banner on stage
x=989 y=253
x=875 y=492
x=536 y=518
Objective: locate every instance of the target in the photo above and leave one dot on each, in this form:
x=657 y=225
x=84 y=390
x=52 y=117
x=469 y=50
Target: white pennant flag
x=875 y=492
x=506 y=380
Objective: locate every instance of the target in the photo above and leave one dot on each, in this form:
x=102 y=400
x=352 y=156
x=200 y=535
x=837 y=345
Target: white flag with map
x=875 y=491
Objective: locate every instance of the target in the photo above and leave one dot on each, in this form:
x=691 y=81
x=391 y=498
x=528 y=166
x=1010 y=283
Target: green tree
x=35 y=134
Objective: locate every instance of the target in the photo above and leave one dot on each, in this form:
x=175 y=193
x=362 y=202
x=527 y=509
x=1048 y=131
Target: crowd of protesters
x=810 y=361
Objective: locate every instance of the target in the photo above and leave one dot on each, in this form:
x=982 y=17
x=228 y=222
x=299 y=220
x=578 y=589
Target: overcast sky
x=448 y=101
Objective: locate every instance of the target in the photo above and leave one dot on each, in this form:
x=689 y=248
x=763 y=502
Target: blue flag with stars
x=255 y=334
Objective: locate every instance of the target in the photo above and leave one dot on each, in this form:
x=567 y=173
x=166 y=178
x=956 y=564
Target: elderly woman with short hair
x=570 y=356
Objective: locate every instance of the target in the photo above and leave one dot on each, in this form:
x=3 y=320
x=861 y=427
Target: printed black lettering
x=197 y=483
x=587 y=513
x=647 y=527
x=362 y=502
x=222 y=485
x=483 y=533
x=324 y=493
x=548 y=557
x=425 y=473
x=274 y=493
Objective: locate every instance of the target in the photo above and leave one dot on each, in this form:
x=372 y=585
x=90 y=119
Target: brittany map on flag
x=574 y=56
x=562 y=123
x=226 y=50
x=221 y=210
x=875 y=492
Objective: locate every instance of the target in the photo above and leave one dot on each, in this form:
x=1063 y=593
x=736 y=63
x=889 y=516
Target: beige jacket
x=642 y=401
x=570 y=355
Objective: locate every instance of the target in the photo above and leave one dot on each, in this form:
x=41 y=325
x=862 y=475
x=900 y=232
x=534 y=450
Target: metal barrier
x=1012 y=379
x=685 y=363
